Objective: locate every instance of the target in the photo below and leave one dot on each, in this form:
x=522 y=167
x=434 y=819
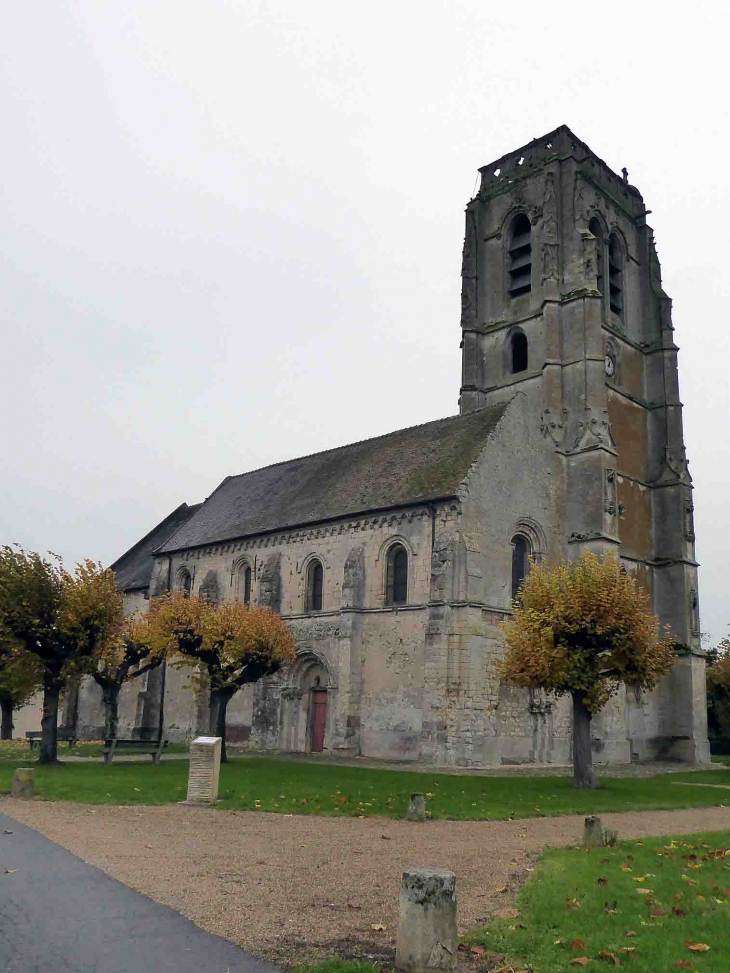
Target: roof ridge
x=358 y=442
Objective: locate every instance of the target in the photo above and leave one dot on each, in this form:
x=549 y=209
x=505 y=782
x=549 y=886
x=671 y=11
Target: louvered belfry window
x=396 y=592
x=615 y=276
x=315 y=584
x=520 y=257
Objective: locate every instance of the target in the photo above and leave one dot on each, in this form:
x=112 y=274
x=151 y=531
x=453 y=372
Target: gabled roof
x=134 y=569
x=407 y=467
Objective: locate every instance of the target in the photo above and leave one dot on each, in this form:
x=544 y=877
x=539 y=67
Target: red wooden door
x=319 y=719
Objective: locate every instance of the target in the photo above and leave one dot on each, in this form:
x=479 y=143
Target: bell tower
x=562 y=300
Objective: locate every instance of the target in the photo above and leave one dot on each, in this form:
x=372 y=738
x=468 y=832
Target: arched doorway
x=306 y=706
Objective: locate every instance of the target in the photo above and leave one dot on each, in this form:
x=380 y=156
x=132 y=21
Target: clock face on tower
x=610 y=365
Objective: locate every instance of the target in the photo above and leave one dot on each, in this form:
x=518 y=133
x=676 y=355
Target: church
x=394 y=560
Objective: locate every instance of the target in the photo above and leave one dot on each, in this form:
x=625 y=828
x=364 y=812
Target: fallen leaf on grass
x=581 y=961
x=572 y=904
x=477 y=950
x=697 y=947
x=657 y=913
x=602 y=881
x=626 y=868
x=700 y=898
x=630 y=934
x=678 y=897
x=577 y=945
x=645 y=891
x=679 y=913
x=683 y=964
x=377 y=927
x=628 y=949
x=501 y=888
x=609 y=957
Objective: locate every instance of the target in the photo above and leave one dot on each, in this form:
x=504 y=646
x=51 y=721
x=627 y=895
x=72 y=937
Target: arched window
x=247 y=585
x=184 y=582
x=521 y=551
x=520 y=256
x=315 y=582
x=518 y=348
x=597 y=230
x=615 y=276
x=396 y=581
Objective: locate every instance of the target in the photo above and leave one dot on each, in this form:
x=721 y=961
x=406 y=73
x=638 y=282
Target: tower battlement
x=505 y=173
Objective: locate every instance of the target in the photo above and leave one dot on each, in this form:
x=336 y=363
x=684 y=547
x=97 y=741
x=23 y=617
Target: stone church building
x=395 y=560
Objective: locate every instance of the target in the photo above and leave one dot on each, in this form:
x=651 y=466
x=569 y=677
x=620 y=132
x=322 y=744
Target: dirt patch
x=297 y=888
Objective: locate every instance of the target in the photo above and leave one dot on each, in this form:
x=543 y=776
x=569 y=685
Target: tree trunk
x=49 y=738
x=219 y=700
x=6 y=733
x=582 y=753
x=110 y=696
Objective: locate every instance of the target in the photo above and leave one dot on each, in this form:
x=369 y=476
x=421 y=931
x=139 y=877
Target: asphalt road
x=59 y=915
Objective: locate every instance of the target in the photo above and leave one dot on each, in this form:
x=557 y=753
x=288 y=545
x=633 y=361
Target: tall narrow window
x=615 y=276
x=185 y=583
x=315 y=581
x=521 y=550
x=597 y=230
x=247 y=585
x=519 y=353
x=520 y=257
x=396 y=588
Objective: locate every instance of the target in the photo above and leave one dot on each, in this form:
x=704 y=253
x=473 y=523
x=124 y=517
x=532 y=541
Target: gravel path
x=293 y=888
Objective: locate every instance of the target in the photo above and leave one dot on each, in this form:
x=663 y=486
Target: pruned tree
x=583 y=628
x=718 y=690
x=126 y=655
x=20 y=680
x=233 y=645
x=58 y=618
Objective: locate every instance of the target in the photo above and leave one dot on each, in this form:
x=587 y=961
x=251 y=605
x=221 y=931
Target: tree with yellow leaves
x=126 y=655
x=57 y=617
x=234 y=644
x=718 y=690
x=584 y=628
x=20 y=680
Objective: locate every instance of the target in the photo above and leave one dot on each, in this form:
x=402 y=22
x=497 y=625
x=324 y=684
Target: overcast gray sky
x=230 y=232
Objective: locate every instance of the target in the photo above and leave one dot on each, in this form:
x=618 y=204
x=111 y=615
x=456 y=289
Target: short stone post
x=592 y=832
x=23 y=783
x=428 y=936
x=205 y=765
x=416 y=808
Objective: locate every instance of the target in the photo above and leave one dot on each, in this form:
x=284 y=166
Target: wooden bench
x=120 y=747
x=62 y=736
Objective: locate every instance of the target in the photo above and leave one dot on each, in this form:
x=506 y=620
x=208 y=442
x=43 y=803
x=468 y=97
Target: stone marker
x=24 y=783
x=427 y=932
x=205 y=765
x=592 y=832
x=417 y=808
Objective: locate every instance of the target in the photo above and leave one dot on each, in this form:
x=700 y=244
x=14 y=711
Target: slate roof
x=134 y=569
x=410 y=466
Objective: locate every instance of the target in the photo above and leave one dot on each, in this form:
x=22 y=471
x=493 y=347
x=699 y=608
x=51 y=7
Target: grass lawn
x=270 y=784
x=643 y=904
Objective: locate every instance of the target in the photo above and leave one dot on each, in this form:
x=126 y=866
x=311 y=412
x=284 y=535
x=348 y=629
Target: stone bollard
x=205 y=765
x=428 y=936
x=23 y=783
x=593 y=832
x=416 y=808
